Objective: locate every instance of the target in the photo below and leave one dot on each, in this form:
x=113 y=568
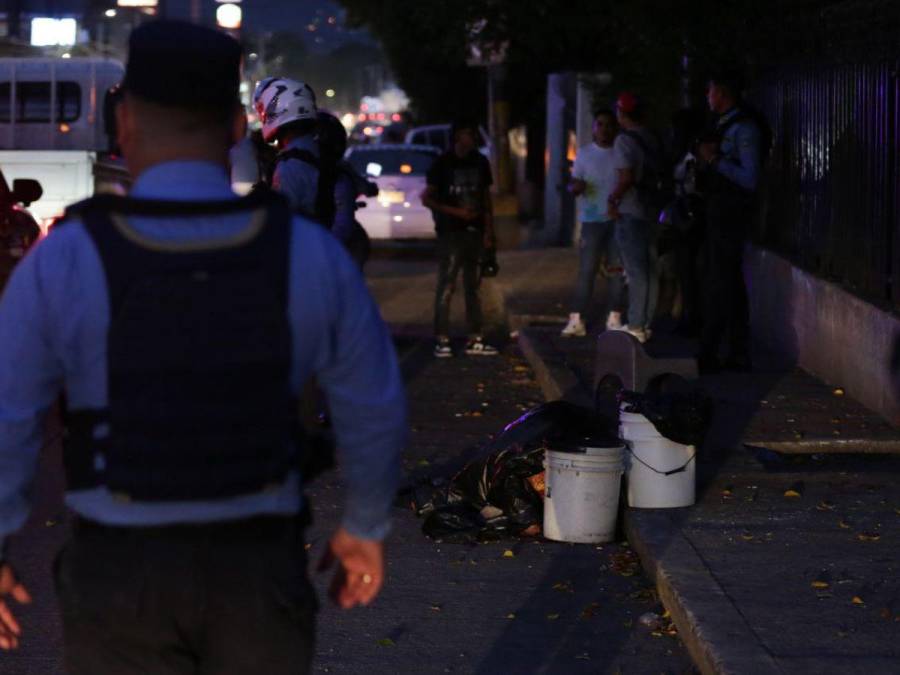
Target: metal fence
x=833 y=194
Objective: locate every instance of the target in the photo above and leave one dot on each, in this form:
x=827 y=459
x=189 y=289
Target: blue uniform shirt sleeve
x=31 y=377
x=356 y=366
x=298 y=181
x=741 y=163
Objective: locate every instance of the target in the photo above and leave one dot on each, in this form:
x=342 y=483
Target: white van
x=55 y=104
x=52 y=129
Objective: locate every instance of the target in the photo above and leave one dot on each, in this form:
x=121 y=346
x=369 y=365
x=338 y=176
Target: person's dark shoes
x=738 y=364
x=708 y=365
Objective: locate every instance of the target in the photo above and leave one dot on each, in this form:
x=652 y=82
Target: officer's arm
x=366 y=398
x=344 y=207
x=30 y=377
x=745 y=171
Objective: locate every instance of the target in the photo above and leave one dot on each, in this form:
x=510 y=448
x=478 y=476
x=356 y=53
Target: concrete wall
x=827 y=331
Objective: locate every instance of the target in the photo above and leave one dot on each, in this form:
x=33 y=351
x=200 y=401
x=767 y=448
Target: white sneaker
x=638 y=332
x=442 y=349
x=614 y=321
x=575 y=327
x=477 y=347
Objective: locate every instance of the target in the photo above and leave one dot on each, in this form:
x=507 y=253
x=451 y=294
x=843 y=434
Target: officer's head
x=181 y=96
x=465 y=136
x=723 y=90
x=629 y=110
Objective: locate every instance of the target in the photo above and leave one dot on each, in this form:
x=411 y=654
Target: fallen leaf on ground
x=657 y=634
x=564 y=586
x=843 y=524
x=589 y=611
x=511 y=615
x=746 y=536
x=857 y=600
x=795 y=490
x=521 y=369
x=838 y=391
x=868 y=536
x=825 y=506
x=424 y=462
x=508 y=554
x=386 y=642
x=791 y=493
x=435 y=608
x=553 y=617
x=820 y=584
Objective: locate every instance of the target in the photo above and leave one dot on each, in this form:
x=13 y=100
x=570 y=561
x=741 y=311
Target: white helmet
x=279 y=101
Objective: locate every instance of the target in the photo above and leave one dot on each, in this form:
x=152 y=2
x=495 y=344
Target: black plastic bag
x=680 y=417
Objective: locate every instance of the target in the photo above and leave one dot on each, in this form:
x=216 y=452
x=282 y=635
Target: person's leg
x=615 y=270
x=719 y=280
x=260 y=607
x=470 y=257
x=738 y=322
x=632 y=237
x=589 y=248
x=448 y=269
x=121 y=612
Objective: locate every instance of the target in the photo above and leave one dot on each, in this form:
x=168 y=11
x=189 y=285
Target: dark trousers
x=458 y=251
x=726 y=316
x=228 y=598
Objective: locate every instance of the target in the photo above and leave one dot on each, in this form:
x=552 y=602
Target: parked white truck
x=52 y=129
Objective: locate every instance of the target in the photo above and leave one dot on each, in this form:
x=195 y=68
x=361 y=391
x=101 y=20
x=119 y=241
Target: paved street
x=550 y=608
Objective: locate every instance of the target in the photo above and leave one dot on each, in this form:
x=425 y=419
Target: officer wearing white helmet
x=182 y=322
x=288 y=113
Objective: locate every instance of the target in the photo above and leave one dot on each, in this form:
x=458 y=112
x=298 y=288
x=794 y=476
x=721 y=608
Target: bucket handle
x=680 y=469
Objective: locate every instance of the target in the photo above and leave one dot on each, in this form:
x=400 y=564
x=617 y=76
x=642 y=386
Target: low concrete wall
x=827 y=331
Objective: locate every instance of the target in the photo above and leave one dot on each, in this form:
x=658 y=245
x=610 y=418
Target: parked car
x=439 y=136
x=399 y=171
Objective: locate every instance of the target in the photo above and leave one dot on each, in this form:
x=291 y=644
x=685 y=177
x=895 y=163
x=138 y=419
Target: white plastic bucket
x=661 y=473
x=581 y=501
x=633 y=426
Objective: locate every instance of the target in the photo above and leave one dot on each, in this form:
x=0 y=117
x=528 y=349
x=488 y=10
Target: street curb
x=553 y=376
x=716 y=635
x=714 y=631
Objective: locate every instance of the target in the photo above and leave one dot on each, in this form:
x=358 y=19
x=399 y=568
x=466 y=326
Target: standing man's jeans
x=458 y=251
x=633 y=238
x=726 y=313
x=227 y=598
x=597 y=238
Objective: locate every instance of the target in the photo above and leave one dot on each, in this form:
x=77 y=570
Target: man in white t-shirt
x=593 y=179
x=633 y=215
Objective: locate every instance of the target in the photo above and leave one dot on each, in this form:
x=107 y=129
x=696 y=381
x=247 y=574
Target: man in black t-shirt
x=458 y=195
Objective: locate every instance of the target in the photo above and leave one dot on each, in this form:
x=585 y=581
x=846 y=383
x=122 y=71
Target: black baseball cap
x=182 y=64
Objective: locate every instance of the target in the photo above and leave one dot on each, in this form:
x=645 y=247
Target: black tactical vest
x=198 y=354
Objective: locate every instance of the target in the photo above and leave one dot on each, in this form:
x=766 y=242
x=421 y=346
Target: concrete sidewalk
x=788 y=562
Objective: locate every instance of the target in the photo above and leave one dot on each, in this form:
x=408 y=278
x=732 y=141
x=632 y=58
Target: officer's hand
x=360 y=572
x=490 y=239
x=9 y=627
x=468 y=214
x=708 y=152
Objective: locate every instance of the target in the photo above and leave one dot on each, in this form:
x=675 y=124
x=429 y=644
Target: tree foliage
x=640 y=42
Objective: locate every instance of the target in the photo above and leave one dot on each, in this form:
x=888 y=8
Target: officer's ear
x=124 y=115
x=238 y=124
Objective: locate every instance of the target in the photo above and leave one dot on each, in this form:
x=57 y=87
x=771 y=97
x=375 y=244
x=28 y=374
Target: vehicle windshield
x=391 y=162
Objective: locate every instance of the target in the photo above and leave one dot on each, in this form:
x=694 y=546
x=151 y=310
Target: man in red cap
x=637 y=152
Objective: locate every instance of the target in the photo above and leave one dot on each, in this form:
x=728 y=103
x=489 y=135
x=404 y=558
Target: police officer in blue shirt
x=730 y=164
x=181 y=322
x=289 y=116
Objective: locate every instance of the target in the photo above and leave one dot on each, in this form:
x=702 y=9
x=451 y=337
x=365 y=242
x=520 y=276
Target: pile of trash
x=501 y=494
